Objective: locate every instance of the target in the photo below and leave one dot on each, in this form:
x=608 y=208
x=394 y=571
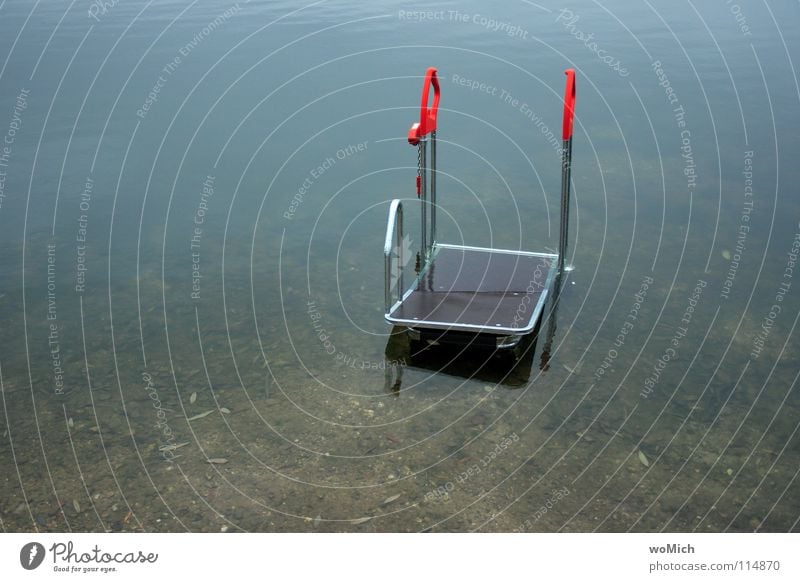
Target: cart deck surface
x=478 y=289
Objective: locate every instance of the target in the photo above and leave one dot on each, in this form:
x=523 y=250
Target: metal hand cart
x=464 y=294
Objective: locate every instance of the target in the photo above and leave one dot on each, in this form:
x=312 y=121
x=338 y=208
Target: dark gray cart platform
x=478 y=290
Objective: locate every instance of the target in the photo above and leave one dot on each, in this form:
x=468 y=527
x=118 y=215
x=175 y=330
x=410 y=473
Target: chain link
x=419 y=168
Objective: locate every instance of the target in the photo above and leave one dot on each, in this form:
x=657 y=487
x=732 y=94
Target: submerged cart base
x=462 y=294
x=473 y=290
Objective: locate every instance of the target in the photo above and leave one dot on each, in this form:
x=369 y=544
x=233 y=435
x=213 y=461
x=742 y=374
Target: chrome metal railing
x=394 y=239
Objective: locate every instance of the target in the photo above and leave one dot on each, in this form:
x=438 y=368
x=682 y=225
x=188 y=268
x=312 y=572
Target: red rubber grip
x=569 y=104
x=427 y=115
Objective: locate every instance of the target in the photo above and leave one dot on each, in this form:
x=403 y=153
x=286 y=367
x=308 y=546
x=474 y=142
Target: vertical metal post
x=433 y=188
x=394 y=239
x=400 y=260
x=417 y=136
x=566 y=158
x=566 y=165
x=423 y=195
x=387 y=282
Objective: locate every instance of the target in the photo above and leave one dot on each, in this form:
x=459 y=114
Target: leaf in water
x=643 y=459
x=70 y=422
x=360 y=520
x=388 y=500
x=574 y=370
x=172 y=446
x=217 y=461
x=224 y=410
x=193 y=398
x=201 y=415
x=76 y=505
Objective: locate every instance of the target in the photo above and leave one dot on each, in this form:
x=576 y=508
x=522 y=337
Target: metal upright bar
x=433 y=188
x=400 y=260
x=417 y=136
x=565 y=180
x=423 y=195
x=394 y=236
x=566 y=165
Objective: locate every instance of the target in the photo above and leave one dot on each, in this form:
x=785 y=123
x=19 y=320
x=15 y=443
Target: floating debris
x=70 y=422
x=317 y=521
x=201 y=415
x=224 y=410
x=193 y=398
x=76 y=506
x=94 y=428
x=726 y=254
x=388 y=500
x=172 y=446
x=643 y=459
x=217 y=461
x=729 y=472
x=360 y=520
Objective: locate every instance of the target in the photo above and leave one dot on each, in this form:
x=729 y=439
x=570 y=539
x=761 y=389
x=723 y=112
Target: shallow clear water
x=159 y=262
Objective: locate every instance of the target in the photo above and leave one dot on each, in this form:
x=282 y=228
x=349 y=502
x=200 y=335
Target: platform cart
x=464 y=294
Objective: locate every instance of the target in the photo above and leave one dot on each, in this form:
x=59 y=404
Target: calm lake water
x=193 y=199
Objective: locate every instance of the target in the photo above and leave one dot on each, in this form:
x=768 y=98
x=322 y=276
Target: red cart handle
x=569 y=104
x=427 y=115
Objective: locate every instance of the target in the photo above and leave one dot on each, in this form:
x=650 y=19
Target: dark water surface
x=192 y=211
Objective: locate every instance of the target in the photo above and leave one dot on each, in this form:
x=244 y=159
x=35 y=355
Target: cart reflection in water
x=474 y=357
